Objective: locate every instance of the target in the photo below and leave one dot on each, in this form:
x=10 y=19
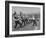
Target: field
x=26 y=27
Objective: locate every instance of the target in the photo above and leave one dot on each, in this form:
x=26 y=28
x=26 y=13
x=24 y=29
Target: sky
x=26 y=10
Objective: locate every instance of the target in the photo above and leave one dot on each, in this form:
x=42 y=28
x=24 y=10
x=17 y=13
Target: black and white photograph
x=25 y=18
